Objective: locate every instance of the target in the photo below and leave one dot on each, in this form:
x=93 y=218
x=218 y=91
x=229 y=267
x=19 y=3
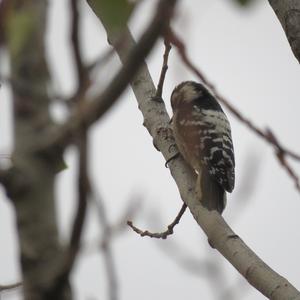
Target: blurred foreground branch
x=106 y=247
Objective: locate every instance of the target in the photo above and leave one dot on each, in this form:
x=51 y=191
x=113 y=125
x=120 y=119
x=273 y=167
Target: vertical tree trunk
x=40 y=252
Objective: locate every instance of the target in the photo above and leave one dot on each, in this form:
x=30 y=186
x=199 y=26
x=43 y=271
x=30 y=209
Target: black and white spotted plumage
x=203 y=136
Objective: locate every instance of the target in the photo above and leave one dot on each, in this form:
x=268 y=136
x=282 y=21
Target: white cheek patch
x=189 y=93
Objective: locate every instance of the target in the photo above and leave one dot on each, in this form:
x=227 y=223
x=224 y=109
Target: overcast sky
x=246 y=56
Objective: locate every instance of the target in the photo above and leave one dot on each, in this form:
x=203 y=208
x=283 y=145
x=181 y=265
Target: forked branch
x=160 y=235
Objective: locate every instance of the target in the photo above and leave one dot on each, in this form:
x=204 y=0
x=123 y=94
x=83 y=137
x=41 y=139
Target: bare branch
x=106 y=248
x=163 y=69
x=71 y=253
x=160 y=235
x=83 y=177
x=281 y=157
x=63 y=273
x=288 y=168
x=83 y=79
x=82 y=139
x=75 y=41
x=83 y=193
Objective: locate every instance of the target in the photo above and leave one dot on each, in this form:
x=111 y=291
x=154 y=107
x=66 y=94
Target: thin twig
x=83 y=192
x=164 y=68
x=160 y=235
x=83 y=178
x=77 y=228
x=281 y=156
x=83 y=78
x=82 y=144
x=175 y=40
x=109 y=260
x=75 y=41
x=288 y=168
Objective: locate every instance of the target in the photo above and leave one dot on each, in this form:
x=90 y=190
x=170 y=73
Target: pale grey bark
x=288 y=13
x=220 y=235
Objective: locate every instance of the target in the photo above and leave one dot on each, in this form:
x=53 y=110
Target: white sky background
x=246 y=56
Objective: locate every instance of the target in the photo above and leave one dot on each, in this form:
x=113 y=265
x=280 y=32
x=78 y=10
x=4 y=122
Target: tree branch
x=62 y=275
x=83 y=194
x=281 y=156
x=75 y=41
x=82 y=139
x=220 y=235
x=106 y=247
x=160 y=235
x=288 y=13
x=164 y=69
x=83 y=180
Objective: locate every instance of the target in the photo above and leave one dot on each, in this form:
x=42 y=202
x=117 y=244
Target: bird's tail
x=211 y=194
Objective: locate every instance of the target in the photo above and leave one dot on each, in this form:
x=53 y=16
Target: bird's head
x=190 y=92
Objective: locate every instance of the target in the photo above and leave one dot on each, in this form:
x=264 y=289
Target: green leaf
x=20 y=27
x=61 y=166
x=113 y=13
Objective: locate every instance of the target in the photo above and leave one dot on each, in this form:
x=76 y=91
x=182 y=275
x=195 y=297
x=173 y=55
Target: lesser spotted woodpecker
x=203 y=136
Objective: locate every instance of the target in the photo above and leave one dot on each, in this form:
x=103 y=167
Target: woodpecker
x=203 y=136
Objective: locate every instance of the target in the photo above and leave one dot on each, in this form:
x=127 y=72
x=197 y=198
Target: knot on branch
x=163 y=134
